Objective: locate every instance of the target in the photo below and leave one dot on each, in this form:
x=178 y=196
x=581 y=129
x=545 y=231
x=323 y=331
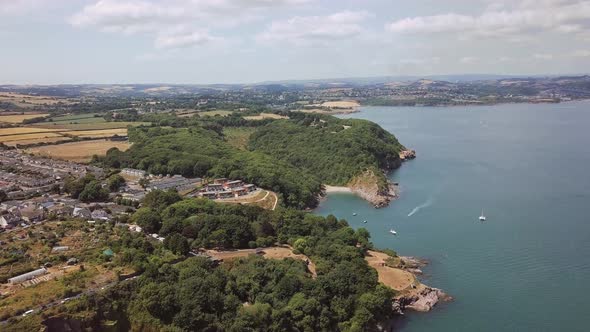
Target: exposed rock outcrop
x=407 y=155
x=422 y=300
x=368 y=186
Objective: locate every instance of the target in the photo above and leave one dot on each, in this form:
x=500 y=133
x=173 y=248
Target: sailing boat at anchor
x=482 y=217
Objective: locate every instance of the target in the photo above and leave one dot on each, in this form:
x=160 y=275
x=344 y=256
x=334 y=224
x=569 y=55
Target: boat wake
x=421 y=206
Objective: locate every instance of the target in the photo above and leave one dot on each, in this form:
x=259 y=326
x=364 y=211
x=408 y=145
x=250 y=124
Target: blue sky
x=240 y=41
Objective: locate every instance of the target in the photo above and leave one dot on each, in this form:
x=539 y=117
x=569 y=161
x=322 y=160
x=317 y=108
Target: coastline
x=480 y=104
x=367 y=185
x=400 y=274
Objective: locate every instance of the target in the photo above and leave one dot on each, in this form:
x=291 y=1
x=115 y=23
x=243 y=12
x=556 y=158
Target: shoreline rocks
x=422 y=300
x=376 y=197
x=407 y=155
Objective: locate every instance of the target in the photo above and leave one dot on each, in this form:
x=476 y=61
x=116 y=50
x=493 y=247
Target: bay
x=527 y=166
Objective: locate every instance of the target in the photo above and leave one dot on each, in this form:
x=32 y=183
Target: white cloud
x=506 y=19
x=305 y=29
x=173 y=23
x=184 y=40
x=543 y=56
x=468 y=60
x=13 y=7
x=581 y=53
x=420 y=61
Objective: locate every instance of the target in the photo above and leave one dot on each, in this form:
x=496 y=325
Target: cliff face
x=374 y=188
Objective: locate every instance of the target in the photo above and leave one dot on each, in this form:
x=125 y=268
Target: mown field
x=36 y=135
x=77 y=118
x=22 y=100
x=263 y=116
x=97 y=133
x=23 y=130
x=79 y=151
x=11 y=138
x=89 y=126
x=19 y=118
x=214 y=113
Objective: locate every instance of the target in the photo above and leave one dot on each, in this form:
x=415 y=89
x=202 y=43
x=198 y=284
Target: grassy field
x=38 y=140
x=23 y=130
x=79 y=151
x=20 y=117
x=262 y=116
x=395 y=278
x=89 y=126
x=238 y=137
x=341 y=104
x=20 y=137
x=26 y=135
x=214 y=113
x=97 y=133
x=77 y=118
x=22 y=100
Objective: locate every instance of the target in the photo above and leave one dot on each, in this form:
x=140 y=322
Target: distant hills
x=450 y=81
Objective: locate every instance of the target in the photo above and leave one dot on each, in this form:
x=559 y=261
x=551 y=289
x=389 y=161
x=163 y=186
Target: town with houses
x=32 y=186
x=32 y=194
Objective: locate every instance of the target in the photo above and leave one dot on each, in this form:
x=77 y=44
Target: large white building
x=27 y=276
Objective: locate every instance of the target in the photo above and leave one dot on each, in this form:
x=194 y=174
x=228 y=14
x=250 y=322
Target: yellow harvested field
x=89 y=126
x=23 y=100
x=97 y=133
x=397 y=279
x=38 y=140
x=341 y=104
x=21 y=137
x=20 y=117
x=23 y=130
x=262 y=116
x=79 y=151
x=214 y=113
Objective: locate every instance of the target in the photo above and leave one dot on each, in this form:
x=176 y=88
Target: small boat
x=392 y=231
x=364 y=221
x=482 y=217
x=354 y=214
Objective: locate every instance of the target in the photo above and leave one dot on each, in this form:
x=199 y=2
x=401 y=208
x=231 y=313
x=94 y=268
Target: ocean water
x=527 y=268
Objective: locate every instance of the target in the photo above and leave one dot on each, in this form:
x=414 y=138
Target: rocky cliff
x=374 y=188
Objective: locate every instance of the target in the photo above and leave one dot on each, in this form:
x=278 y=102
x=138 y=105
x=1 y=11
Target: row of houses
x=14 y=213
x=224 y=188
x=23 y=176
x=176 y=182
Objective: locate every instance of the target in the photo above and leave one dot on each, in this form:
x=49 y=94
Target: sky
x=246 y=41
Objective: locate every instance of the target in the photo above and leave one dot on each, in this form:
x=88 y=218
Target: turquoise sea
x=527 y=268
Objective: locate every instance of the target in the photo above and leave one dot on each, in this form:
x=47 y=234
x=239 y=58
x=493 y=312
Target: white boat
x=364 y=221
x=392 y=231
x=354 y=214
x=482 y=217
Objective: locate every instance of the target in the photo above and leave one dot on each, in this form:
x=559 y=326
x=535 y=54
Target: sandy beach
x=337 y=189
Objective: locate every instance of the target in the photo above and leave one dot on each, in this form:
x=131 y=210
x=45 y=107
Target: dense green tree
x=177 y=244
x=75 y=186
x=148 y=219
x=115 y=182
x=93 y=192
